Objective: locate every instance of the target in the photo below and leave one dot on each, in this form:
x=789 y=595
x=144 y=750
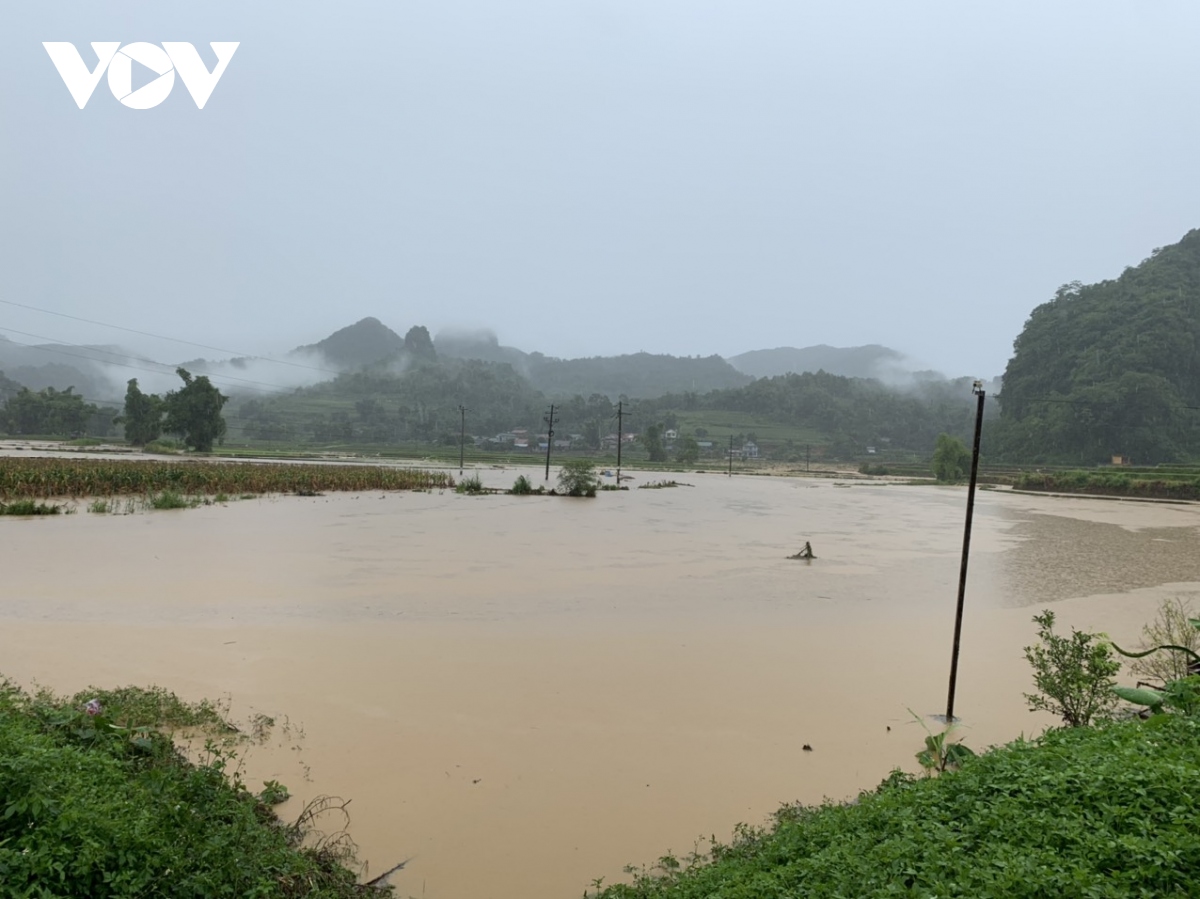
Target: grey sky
x=600 y=177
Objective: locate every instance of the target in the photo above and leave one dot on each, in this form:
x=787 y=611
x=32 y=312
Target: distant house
x=506 y=437
x=520 y=433
x=704 y=444
x=521 y=444
x=1120 y=459
x=671 y=434
x=871 y=450
x=562 y=444
x=749 y=450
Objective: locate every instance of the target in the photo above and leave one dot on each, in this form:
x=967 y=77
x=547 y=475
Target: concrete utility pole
x=462 y=436
x=620 y=435
x=549 y=420
x=977 y=389
x=730 y=455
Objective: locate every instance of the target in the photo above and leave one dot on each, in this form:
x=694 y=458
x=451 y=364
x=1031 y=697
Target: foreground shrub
x=1109 y=812
x=95 y=801
x=1073 y=675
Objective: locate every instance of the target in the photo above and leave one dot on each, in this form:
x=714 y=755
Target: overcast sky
x=598 y=177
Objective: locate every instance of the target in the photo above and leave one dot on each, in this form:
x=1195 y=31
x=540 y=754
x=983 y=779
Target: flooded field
x=523 y=694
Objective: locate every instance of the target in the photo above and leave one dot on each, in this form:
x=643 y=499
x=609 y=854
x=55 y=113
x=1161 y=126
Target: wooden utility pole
x=966 y=552
x=462 y=436
x=549 y=420
x=731 y=455
x=807 y=448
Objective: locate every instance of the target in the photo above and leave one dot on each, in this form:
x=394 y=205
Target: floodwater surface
x=523 y=694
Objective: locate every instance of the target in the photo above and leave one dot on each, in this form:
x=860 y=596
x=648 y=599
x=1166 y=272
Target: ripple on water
x=1058 y=558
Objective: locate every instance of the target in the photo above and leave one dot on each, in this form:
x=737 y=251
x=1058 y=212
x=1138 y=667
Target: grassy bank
x=1151 y=483
x=40 y=478
x=1106 y=812
x=96 y=801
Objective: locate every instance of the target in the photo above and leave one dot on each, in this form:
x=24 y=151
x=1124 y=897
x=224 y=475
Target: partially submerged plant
x=578 y=478
x=472 y=485
x=940 y=755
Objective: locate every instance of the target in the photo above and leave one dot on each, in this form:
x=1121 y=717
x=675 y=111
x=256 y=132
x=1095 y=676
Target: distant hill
x=482 y=345
x=639 y=375
x=872 y=361
x=1110 y=368
x=365 y=342
x=49 y=365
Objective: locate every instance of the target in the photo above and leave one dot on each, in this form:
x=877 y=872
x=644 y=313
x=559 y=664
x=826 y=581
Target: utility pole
x=807 y=448
x=620 y=435
x=549 y=420
x=462 y=436
x=730 y=455
x=977 y=389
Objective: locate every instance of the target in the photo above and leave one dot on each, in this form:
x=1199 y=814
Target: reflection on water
x=1058 y=558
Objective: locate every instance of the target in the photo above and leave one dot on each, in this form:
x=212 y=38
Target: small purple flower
x=93 y=707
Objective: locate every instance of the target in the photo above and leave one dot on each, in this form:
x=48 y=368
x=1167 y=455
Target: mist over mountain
x=871 y=361
x=89 y=369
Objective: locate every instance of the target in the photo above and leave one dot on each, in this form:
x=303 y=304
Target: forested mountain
x=1110 y=368
x=421 y=403
x=853 y=412
x=365 y=342
x=872 y=361
x=637 y=375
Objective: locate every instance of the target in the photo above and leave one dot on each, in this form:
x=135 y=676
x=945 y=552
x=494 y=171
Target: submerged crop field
x=42 y=478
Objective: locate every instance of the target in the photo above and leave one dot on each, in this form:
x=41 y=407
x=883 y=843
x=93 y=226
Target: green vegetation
x=99 y=506
x=168 y=499
x=42 y=478
x=941 y=753
x=1109 y=368
x=96 y=801
x=472 y=485
x=951 y=459
x=652 y=441
x=878 y=470
x=1110 y=811
x=49 y=411
x=1148 y=483
x=29 y=507
x=194 y=412
x=522 y=487
x=578 y=478
x=1073 y=675
x=142 y=417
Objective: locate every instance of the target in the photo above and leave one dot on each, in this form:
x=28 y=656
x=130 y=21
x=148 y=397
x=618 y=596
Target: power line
x=202 y=346
x=46 y=349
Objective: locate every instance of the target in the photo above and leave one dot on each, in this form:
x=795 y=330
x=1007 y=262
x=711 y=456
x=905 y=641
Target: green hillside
x=1110 y=368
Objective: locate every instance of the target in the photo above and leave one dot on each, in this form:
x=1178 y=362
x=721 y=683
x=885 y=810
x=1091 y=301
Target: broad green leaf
x=1140 y=696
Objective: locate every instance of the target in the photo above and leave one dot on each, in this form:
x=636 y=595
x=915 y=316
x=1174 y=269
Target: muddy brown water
x=523 y=694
